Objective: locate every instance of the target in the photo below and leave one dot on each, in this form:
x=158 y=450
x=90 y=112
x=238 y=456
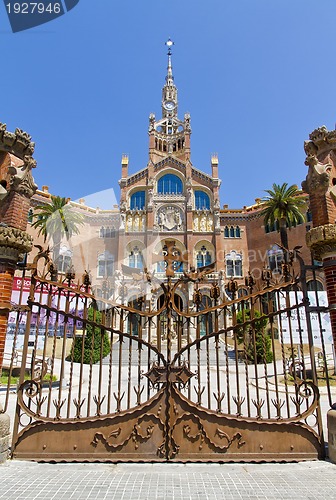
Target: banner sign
x=291 y=326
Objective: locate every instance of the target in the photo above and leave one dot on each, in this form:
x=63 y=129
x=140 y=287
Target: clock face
x=169 y=105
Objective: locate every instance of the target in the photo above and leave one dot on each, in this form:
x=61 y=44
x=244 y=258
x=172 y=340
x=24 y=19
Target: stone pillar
x=320 y=184
x=13 y=244
x=17 y=187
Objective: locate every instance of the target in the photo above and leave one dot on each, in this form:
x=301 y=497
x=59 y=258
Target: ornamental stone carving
x=13 y=243
x=18 y=143
x=322 y=240
x=318 y=177
x=169 y=218
x=135 y=221
x=17 y=175
x=203 y=222
x=151 y=127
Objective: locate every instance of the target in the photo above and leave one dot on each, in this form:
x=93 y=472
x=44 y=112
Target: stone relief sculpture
x=203 y=223
x=169 y=218
x=210 y=224
x=217 y=220
x=122 y=221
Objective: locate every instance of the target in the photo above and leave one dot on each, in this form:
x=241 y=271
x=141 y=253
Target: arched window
x=135 y=258
x=234 y=265
x=105 y=265
x=203 y=257
x=64 y=260
x=314 y=286
x=226 y=232
x=237 y=232
x=202 y=201
x=242 y=292
x=232 y=232
x=275 y=259
x=170 y=184
x=137 y=201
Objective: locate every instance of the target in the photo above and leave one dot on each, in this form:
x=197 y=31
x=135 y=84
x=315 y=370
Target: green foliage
x=283 y=206
x=93 y=339
x=56 y=220
x=257 y=340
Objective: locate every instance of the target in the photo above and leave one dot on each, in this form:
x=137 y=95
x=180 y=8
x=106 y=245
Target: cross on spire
x=169 y=44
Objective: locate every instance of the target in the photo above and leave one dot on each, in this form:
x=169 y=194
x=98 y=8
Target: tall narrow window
x=203 y=257
x=234 y=265
x=226 y=232
x=105 y=265
x=64 y=260
x=137 y=201
x=275 y=259
x=202 y=201
x=135 y=258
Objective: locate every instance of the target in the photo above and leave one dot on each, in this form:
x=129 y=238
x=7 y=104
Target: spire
x=169 y=77
x=169 y=91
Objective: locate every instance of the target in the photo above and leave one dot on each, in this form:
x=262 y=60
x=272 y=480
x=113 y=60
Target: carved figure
x=136 y=222
x=217 y=220
x=203 y=223
x=210 y=223
x=318 y=176
x=122 y=221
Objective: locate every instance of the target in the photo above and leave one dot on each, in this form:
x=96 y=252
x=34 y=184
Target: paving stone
x=303 y=481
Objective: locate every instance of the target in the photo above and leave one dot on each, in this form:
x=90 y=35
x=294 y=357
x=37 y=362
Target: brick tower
x=16 y=188
x=320 y=184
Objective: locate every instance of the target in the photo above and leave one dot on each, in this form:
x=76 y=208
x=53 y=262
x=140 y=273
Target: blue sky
x=257 y=76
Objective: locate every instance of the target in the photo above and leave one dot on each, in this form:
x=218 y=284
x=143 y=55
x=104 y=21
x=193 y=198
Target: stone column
x=17 y=187
x=13 y=244
x=320 y=184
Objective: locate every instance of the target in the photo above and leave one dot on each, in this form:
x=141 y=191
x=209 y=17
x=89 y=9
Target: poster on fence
x=39 y=320
x=292 y=325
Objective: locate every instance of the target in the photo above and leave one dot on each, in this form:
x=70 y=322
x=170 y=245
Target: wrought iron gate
x=221 y=385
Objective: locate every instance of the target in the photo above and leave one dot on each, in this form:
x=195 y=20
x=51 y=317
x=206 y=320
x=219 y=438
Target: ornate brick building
x=170 y=200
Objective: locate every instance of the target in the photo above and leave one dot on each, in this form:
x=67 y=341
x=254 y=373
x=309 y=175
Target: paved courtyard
x=306 y=480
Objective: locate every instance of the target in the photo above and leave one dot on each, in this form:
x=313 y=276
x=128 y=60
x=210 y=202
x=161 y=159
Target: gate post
x=320 y=184
x=16 y=188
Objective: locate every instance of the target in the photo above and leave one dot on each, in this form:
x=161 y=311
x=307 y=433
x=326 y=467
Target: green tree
x=283 y=207
x=257 y=341
x=95 y=340
x=57 y=220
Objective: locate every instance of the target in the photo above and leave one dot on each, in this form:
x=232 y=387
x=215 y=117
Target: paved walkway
x=306 y=480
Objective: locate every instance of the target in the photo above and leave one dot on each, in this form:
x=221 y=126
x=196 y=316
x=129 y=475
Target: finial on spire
x=169 y=44
x=169 y=77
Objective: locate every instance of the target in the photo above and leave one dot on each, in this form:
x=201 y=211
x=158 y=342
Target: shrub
x=262 y=348
x=93 y=338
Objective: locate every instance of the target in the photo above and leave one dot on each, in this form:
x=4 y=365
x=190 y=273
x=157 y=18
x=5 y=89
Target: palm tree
x=283 y=207
x=57 y=220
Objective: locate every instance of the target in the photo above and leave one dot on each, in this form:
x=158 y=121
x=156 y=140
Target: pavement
x=305 y=480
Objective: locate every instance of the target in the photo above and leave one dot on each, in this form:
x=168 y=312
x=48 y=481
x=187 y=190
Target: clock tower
x=169 y=136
